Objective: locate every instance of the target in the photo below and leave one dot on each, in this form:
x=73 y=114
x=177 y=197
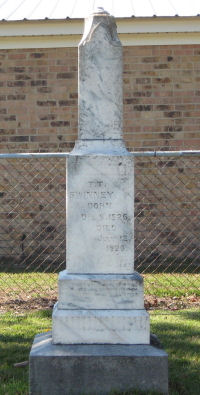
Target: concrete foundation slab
x=95 y=369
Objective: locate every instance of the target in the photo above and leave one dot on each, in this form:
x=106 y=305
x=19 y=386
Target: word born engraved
x=99 y=205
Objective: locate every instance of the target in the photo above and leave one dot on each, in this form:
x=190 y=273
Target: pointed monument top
x=93 y=22
x=100 y=10
x=100 y=84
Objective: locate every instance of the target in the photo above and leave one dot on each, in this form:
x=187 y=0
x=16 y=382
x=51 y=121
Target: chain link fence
x=167 y=221
x=33 y=223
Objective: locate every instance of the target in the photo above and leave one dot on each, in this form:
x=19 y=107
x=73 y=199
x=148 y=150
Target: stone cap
x=100 y=10
x=97 y=18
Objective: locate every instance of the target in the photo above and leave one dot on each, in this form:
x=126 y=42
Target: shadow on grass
x=180 y=340
x=14 y=349
x=16 y=337
x=191 y=315
x=178 y=332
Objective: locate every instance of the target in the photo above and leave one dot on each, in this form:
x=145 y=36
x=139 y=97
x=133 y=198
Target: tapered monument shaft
x=100 y=79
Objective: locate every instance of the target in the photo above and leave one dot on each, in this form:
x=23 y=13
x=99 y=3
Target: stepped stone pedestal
x=95 y=368
x=100 y=335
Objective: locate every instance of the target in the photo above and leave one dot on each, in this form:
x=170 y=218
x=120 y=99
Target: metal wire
x=167 y=218
x=33 y=225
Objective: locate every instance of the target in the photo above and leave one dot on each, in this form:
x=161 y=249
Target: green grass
x=179 y=333
x=16 y=335
x=42 y=284
x=36 y=284
x=166 y=284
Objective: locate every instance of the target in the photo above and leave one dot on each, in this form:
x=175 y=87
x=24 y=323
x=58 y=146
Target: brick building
x=38 y=75
x=38 y=112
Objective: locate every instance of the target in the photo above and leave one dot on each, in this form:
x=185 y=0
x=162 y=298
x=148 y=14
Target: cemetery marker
x=100 y=337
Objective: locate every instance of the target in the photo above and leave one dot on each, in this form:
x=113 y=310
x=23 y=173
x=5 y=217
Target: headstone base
x=100 y=291
x=100 y=326
x=95 y=369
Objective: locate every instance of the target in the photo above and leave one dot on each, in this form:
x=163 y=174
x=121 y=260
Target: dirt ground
x=25 y=303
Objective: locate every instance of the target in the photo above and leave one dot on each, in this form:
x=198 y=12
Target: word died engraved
x=106 y=228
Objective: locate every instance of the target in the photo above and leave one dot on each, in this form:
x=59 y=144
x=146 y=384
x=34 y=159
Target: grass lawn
x=179 y=332
x=167 y=284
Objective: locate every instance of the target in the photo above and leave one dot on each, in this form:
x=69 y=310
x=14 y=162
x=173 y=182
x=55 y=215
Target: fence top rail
x=134 y=153
x=30 y=155
x=166 y=153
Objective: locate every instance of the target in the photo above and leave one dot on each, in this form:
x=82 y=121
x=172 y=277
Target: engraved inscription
x=115 y=124
x=90 y=195
x=93 y=293
x=100 y=207
x=116 y=289
x=115 y=248
x=99 y=199
x=120 y=325
x=123 y=217
x=106 y=228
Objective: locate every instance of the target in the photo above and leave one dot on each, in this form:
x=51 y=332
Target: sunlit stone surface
x=101 y=298
x=101 y=291
x=100 y=76
x=100 y=334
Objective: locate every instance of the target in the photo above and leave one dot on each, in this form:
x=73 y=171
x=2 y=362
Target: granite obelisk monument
x=101 y=336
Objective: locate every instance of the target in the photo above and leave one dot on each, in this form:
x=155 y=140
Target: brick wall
x=162 y=97
x=38 y=112
x=38 y=98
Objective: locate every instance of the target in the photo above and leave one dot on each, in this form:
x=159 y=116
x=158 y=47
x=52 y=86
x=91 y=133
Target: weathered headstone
x=101 y=335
